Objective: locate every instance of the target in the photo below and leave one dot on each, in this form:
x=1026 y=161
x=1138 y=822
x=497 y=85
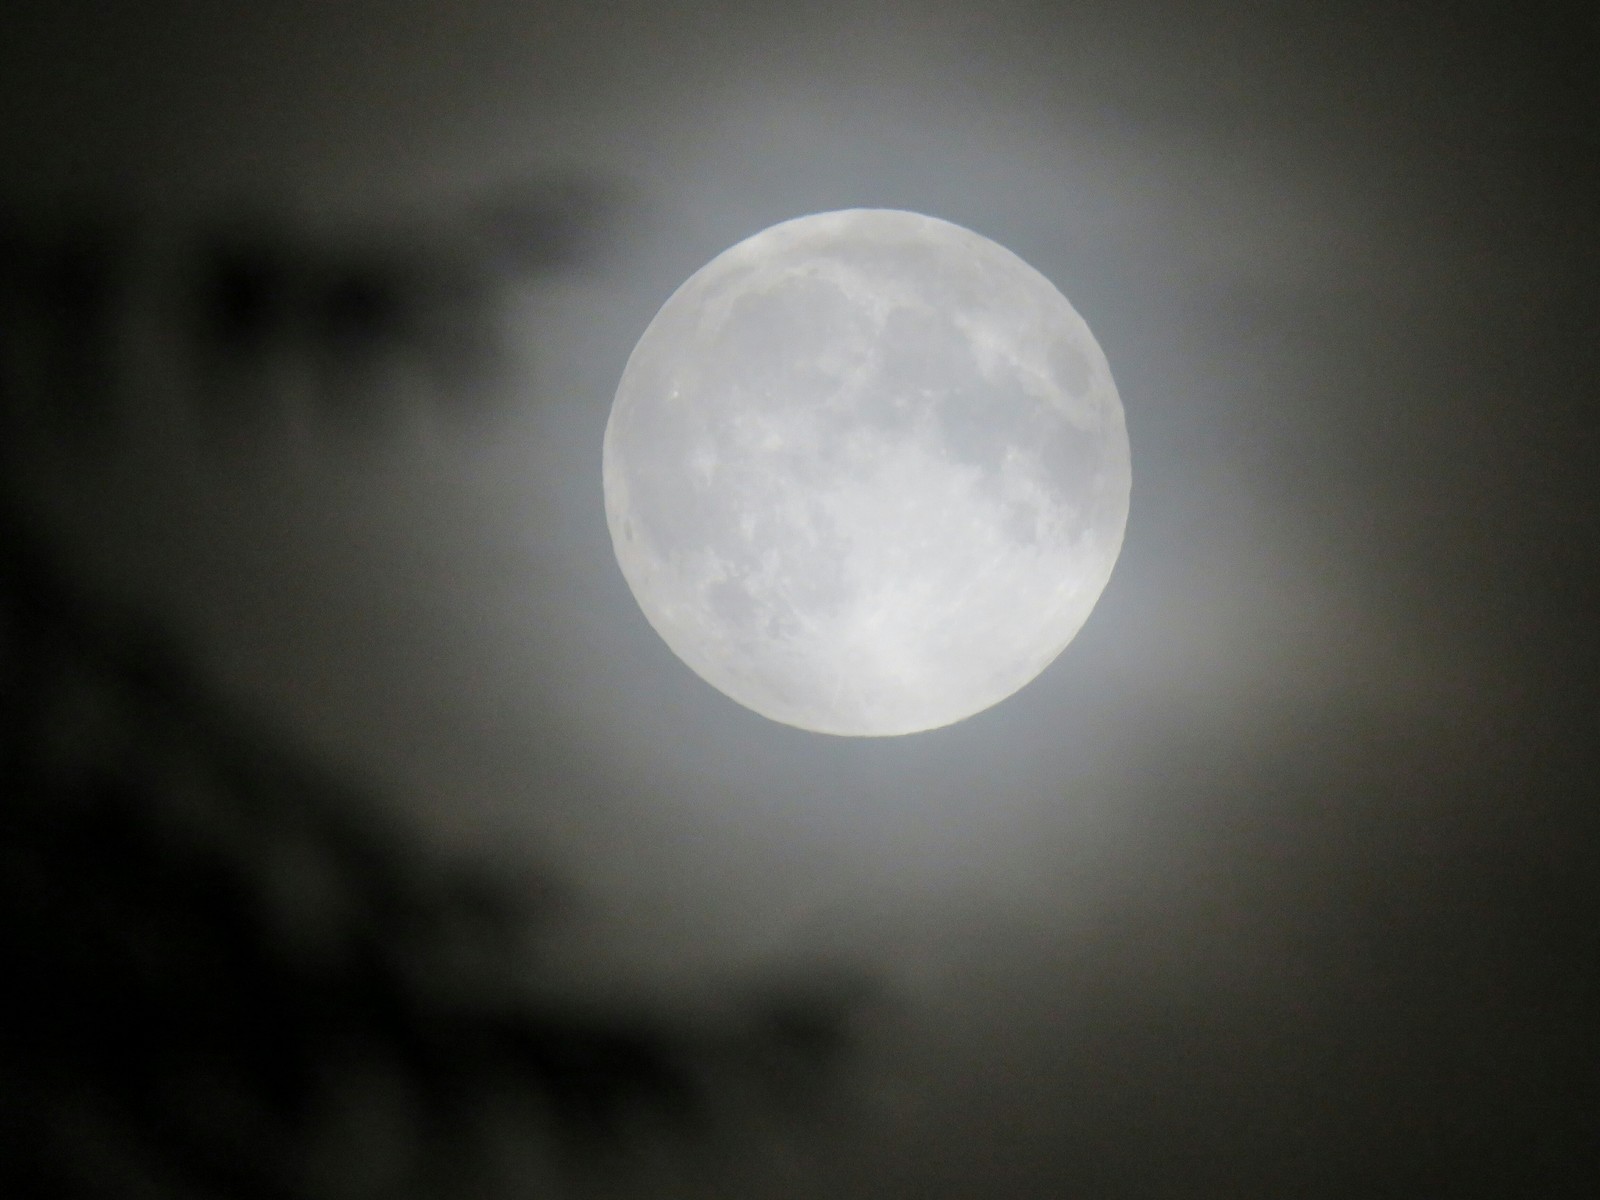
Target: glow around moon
x=867 y=472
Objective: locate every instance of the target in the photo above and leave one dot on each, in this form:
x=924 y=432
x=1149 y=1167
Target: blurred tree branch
x=213 y=942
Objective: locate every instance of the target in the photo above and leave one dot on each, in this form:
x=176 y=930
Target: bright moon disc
x=867 y=472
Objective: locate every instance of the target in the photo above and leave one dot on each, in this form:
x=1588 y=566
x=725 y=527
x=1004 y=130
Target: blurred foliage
x=229 y=976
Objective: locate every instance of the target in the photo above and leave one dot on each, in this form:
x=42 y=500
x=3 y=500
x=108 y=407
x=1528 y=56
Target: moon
x=867 y=472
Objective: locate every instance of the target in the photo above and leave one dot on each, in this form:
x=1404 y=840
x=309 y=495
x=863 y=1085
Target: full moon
x=867 y=472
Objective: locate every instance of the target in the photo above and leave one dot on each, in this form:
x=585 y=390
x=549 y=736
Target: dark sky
x=1283 y=879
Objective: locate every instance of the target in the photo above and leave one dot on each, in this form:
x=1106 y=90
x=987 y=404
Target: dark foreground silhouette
x=226 y=974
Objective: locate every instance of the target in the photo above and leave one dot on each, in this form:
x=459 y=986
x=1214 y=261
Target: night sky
x=1284 y=879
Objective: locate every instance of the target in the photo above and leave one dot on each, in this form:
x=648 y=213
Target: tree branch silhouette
x=214 y=943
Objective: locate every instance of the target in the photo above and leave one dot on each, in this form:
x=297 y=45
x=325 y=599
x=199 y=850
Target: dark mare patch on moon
x=787 y=344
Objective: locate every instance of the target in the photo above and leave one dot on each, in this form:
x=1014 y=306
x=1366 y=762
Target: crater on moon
x=867 y=472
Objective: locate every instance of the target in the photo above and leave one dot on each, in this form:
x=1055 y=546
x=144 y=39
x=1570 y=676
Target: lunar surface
x=867 y=472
